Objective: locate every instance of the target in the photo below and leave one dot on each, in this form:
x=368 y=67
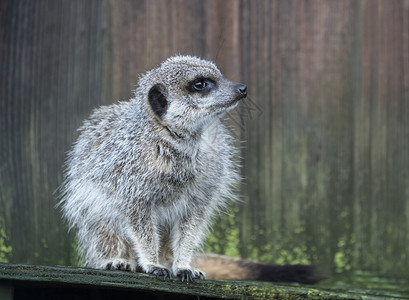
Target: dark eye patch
x=201 y=85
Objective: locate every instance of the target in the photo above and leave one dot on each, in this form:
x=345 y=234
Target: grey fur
x=142 y=183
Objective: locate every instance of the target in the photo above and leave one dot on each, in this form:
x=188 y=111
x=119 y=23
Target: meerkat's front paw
x=189 y=274
x=159 y=271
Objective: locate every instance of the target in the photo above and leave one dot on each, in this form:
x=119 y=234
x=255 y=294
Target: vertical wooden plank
x=381 y=127
x=404 y=138
x=311 y=74
x=51 y=79
x=128 y=47
x=391 y=196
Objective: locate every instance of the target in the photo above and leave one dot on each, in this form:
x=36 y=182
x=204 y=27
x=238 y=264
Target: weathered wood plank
x=47 y=276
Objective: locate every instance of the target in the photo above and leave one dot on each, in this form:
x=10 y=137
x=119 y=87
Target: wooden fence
x=326 y=157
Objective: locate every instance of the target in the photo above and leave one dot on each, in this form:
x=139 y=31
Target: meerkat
x=145 y=176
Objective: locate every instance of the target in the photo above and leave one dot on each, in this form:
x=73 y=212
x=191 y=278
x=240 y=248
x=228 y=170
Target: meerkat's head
x=185 y=93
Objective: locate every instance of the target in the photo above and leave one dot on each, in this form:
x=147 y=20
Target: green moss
x=5 y=251
x=296 y=255
x=44 y=243
x=223 y=238
x=343 y=257
x=75 y=259
x=269 y=246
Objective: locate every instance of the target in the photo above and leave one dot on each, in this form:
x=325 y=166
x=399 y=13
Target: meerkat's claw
x=119 y=266
x=190 y=275
x=160 y=271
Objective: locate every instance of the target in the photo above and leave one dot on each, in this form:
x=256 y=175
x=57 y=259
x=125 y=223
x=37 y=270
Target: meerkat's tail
x=222 y=267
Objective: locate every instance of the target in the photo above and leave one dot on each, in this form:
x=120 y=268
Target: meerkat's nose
x=242 y=89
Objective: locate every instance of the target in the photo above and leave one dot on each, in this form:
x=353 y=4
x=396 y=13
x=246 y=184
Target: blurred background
x=325 y=130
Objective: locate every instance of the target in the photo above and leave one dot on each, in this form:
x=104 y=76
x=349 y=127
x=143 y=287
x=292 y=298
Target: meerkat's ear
x=157 y=99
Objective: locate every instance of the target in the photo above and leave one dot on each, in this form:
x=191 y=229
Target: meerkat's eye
x=201 y=85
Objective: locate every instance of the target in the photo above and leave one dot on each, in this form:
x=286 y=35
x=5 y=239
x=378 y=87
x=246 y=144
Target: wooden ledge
x=35 y=282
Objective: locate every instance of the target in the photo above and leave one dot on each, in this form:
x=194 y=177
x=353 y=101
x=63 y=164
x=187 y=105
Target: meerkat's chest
x=179 y=169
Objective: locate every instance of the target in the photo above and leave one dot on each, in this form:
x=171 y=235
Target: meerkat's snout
x=237 y=91
x=242 y=91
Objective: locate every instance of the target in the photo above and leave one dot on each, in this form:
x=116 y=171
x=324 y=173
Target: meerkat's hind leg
x=118 y=264
x=105 y=248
